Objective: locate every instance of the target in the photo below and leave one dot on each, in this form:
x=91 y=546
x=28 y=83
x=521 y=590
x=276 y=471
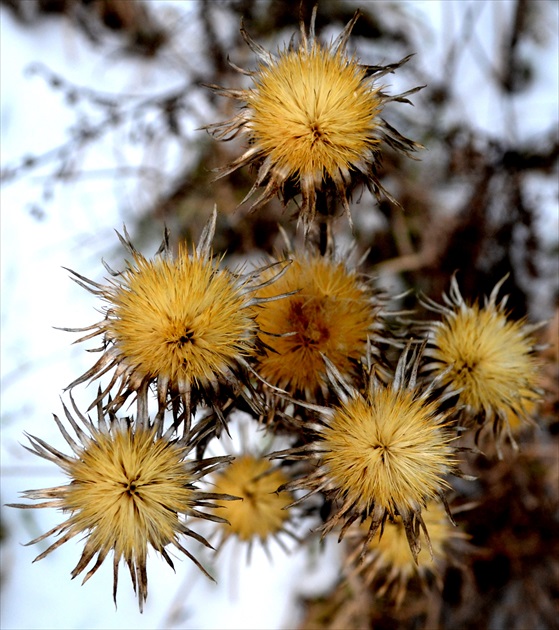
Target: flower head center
x=307 y=319
x=185 y=338
x=131 y=488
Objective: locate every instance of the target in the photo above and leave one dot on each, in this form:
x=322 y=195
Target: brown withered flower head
x=131 y=487
x=380 y=454
x=180 y=323
x=312 y=121
x=330 y=310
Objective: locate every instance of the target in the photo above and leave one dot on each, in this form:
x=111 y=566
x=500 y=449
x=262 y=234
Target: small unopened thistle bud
x=178 y=322
x=330 y=310
x=312 y=121
x=486 y=358
x=379 y=454
x=131 y=488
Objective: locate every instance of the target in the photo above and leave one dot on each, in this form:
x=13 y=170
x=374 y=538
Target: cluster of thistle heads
x=369 y=404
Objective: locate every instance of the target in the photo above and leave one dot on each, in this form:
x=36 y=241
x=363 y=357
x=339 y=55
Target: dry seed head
x=388 y=564
x=130 y=488
x=387 y=450
x=261 y=513
x=327 y=121
x=312 y=121
x=180 y=322
x=379 y=454
x=180 y=319
x=485 y=357
x=332 y=312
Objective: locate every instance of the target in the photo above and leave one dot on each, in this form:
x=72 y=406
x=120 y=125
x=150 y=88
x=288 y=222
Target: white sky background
x=77 y=230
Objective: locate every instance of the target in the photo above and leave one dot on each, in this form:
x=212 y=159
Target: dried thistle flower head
x=181 y=323
x=388 y=564
x=130 y=488
x=381 y=454
x=262 y=513
x=332 y=312
x=486 y=358
x=312 y=121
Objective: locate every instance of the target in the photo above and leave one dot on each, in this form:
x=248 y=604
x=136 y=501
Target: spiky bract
x=486 y=358
x=131 y=488
x=331 y=312
x=179 y=322
x=312 y=121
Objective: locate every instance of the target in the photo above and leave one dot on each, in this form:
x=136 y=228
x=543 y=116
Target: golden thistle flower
x=381 y=454
x=131 y=488
x=180 y=322
x=262 y=513
x=332 y=312
x=312 y=121
x=388 y=564
x=487 y=359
